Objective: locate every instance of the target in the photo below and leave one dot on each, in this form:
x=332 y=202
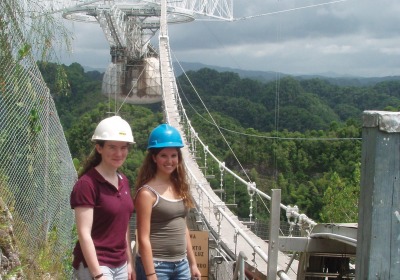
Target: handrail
x=304 y=219
x=172 y=116
x=237 y=228
x=282 y=275
x=239 y=274
x=219 y=209
x=338 y=237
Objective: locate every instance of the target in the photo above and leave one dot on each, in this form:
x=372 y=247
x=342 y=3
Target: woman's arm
x=144 y=205
x=194 y=270
x=130 y=263
x=84 y=222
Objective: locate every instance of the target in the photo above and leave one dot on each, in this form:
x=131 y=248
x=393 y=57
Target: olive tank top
x=167 y=228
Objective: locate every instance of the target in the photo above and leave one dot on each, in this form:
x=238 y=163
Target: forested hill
x=269 y=76
x=295 y=105
x=286 y=134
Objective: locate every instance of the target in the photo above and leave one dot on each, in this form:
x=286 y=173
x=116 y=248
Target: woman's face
x=166 y=160
x=113 y=153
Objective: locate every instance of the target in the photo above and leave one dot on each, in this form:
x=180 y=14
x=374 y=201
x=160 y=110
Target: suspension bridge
x=140 y=74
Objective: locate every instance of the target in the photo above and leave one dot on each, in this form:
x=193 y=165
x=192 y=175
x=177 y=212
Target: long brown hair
x=178 y=177
x=92 y=160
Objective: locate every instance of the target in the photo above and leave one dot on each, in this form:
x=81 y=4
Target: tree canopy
x=304 y=138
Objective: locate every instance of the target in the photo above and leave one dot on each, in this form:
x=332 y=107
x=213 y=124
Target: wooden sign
x=199 y=241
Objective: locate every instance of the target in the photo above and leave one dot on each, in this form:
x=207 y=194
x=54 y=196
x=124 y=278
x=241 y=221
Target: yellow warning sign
x=199 y=241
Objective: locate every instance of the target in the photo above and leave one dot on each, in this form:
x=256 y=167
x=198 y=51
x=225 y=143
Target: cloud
x=291 y=36
x=89 y=46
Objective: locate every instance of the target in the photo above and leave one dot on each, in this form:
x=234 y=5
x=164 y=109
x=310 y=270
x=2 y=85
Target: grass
x=46 y=261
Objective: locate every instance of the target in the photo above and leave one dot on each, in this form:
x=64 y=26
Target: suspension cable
x=251 y=186
x=215 y=123
x=288 y=10
x=265 y=136
x=131 y=90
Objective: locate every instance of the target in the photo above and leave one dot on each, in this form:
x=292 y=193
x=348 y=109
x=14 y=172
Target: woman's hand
x=195 y=272
x=131 y=272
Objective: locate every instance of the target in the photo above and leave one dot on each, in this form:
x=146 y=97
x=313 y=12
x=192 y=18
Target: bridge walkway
x=231 y=234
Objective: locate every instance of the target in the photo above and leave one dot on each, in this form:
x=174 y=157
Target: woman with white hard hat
x=103 y=207
x=162 y=202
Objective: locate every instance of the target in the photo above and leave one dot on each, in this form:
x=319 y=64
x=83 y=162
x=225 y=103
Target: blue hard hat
x=165 y=136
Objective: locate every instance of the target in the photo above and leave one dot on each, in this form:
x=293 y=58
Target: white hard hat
x=113 y=129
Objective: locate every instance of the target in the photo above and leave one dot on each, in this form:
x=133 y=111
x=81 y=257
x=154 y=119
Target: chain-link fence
x=36 y=169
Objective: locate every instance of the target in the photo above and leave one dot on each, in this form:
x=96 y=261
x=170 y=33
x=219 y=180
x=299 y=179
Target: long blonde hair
x=178 y=177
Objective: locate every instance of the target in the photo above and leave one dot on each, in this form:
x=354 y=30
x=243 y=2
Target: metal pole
x=378 y=242
x=239 y=274
x=273 y=243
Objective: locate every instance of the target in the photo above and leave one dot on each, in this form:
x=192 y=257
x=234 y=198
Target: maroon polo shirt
x=112 y=210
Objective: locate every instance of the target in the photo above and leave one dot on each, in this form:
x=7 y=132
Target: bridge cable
x=131 y=90
x=288 y=10
x=213 y=120
x=264 y=136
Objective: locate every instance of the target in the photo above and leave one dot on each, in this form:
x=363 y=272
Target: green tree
x=340 y=201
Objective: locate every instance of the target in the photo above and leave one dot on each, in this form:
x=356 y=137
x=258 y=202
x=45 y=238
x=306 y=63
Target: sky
x=297 y=37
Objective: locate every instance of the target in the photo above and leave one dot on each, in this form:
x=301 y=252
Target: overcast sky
x=353 y=37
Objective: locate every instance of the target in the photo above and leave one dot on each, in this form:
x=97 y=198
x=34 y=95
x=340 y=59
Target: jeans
x=174 y=270
x=118 y=273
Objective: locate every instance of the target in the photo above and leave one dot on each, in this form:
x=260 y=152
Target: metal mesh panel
x=36 y=169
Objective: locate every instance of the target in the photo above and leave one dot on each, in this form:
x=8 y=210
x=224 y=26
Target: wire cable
x=288 y=10
x=213 y=120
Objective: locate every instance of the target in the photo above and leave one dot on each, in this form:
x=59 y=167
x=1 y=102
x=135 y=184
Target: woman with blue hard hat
x=162 y=202
x=103 y=207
